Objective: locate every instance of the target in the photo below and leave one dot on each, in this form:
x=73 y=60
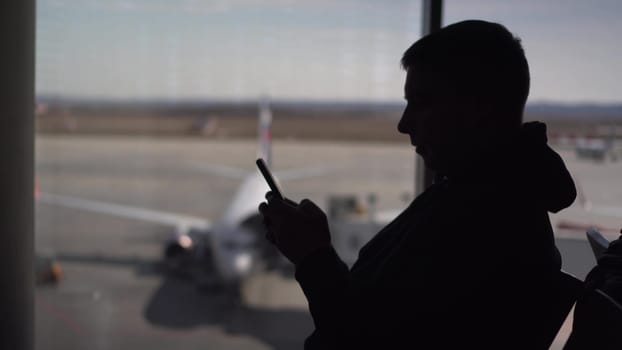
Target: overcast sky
x=308 y=50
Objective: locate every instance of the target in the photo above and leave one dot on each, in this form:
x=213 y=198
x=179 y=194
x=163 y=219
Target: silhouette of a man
x=471 y=263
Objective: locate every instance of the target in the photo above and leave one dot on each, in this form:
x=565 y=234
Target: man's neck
x=485 y=155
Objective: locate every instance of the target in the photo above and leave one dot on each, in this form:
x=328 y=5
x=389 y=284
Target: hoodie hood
x=540 y=171
x=524 y=166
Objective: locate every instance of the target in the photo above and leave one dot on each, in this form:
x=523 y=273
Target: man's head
x=466 y=88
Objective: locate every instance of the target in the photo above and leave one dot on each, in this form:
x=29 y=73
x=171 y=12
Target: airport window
x=150 y=115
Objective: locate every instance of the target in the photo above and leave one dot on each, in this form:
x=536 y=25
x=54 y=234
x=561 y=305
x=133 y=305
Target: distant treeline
x=292 y=119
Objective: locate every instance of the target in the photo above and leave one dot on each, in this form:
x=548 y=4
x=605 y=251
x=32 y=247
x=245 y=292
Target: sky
x=346 y=50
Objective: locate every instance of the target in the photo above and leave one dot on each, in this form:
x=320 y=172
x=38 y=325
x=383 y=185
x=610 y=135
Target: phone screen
x=274 y=186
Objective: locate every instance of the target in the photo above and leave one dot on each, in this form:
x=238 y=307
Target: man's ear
x=475 y=113
x=485 y=115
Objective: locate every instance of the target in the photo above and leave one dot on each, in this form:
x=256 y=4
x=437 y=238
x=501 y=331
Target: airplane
x=230 y=246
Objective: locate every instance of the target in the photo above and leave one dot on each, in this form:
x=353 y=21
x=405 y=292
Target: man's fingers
x=290 y=202
x=263 y=208
x=270 y=209
x=309 y=207
x=282 y=207
x=306 y=203
x=272 y=198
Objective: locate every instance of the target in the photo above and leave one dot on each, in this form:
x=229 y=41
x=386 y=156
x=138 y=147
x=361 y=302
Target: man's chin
x=429 y=164
x=428 y=161
x=420 y=150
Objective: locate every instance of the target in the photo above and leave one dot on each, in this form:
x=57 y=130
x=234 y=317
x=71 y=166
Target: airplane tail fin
x=264 y=149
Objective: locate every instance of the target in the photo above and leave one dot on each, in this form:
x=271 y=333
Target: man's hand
x=296 y=229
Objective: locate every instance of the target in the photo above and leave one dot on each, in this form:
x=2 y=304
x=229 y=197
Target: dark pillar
x=432 y=21
x=17 y=39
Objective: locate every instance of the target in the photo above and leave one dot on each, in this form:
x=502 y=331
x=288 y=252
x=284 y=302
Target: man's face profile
x=431 y=117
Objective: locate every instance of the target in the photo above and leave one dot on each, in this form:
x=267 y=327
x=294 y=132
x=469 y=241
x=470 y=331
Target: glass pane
x=149 y=121
x=150 y=115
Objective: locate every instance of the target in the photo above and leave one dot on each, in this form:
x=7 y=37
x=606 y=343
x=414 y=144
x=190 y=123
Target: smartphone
x=274 y=186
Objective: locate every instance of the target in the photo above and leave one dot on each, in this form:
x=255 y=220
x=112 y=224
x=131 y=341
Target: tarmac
x=114 y=293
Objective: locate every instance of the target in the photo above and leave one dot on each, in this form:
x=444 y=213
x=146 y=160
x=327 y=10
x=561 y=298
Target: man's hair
x=481 y=59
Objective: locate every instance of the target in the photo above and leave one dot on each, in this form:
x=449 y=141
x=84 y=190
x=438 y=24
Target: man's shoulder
x=494 y=195
x=490 y=212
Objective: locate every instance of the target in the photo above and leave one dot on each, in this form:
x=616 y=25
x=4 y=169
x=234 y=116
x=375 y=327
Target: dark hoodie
x=471 y=263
